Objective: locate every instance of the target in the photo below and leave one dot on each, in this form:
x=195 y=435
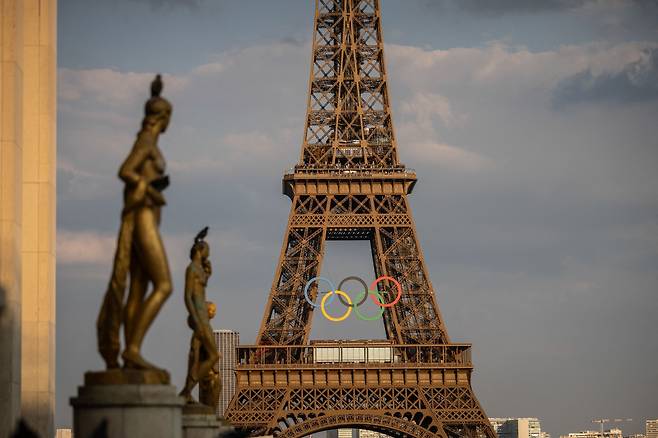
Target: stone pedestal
x=201 y=426
x=127 y=410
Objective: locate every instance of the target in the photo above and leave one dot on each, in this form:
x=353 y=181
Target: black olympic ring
x=365 y=290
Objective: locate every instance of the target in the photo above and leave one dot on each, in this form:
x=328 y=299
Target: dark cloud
x=488 y=7
x=171 y=4
x=636 y=82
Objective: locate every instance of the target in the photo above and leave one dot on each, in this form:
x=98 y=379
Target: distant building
x=517 y=427
x=355 y=433
x=610 y=433
x=341 y=433
x=363 y=433
x=652 y=428
x=227 y=342
x=64 y=433
x=636 y=435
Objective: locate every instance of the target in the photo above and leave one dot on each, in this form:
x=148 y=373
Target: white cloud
x=448 y=157
x=110 y=87
x=510 y=67
x=425 y=106
x=84 y=247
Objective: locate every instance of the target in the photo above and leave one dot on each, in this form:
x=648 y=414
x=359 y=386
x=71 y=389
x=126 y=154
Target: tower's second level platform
x=336 y=180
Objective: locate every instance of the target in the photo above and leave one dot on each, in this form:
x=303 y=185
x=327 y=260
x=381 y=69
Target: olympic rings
x=345 y=315
x=308 y=283
x=346 y=300
x=397 y=285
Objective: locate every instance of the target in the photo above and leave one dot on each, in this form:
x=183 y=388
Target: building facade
x=610 y=433
x=227 y=341
x=341 y=433
x=517 y=427
x=28 y=53
x=651 y=428
x=364 y=433
x=64 y=433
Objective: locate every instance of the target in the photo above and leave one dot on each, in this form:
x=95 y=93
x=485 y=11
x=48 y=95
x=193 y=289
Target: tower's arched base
x=282 y=391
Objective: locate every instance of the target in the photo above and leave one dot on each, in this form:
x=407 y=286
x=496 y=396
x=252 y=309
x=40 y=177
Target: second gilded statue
x=203 y=354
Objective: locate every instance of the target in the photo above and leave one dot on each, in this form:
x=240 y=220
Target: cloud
x=84 y=247
x=110 y=87
x=425 y=106
x=445 y=156
x=500 y=7
x=79 y=184
x=172 y=4
x=636 y=82
x=421 y=140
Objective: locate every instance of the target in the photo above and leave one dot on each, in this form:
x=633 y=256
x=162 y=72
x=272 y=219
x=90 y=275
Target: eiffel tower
x=350 y=185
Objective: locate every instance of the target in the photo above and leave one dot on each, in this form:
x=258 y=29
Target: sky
x=531 y=126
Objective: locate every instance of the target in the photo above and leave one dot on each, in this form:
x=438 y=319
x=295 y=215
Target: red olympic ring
x=373 y=286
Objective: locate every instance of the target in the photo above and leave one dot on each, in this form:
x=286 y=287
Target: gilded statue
x=210 y=385
x=140 y=253
x=203 y=354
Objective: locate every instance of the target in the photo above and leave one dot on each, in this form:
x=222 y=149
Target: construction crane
x=601 y=421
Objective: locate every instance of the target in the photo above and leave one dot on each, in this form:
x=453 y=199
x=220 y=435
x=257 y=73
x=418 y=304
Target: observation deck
x=336 y=180
x=369 y=363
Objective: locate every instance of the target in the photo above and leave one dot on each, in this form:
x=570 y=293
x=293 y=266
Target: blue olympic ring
x=308 y=284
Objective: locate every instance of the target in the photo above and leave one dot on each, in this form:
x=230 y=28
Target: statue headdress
x=198 y=241
x=156 y=105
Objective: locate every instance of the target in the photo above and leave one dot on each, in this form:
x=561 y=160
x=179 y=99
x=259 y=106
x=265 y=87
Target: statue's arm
x=191 y=280
x=128 y=171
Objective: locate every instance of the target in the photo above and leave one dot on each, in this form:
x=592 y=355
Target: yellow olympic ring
x=339 y=293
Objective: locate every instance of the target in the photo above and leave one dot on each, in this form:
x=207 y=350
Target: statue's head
x=157 y=110
x=212 y=309
x=200 y=246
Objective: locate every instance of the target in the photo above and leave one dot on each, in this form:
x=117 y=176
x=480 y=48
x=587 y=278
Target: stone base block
x=124 y=376
x=202 y=426
x=127 y=411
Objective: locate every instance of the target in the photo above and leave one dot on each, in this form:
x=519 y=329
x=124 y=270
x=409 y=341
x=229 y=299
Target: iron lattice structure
x=350 y=185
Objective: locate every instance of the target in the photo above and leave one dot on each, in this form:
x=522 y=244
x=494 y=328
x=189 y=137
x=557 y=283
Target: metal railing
x=350 y=171
x=339 y=353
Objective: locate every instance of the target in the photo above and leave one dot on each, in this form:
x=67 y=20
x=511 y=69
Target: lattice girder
x=348 y=119
x=349 y=185
x=384 y=220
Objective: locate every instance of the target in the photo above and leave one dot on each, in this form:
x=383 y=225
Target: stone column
x=11 y=116
x=38 y=228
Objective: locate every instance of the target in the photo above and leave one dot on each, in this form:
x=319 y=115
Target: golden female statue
x=210 y=385
x=140 y=251
x=203 y=350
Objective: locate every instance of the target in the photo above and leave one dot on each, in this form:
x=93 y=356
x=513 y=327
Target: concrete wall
x=11 y=153
x=38 y=240
x=27 y=213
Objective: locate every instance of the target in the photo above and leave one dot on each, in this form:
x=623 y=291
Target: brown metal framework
x=349 y=185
